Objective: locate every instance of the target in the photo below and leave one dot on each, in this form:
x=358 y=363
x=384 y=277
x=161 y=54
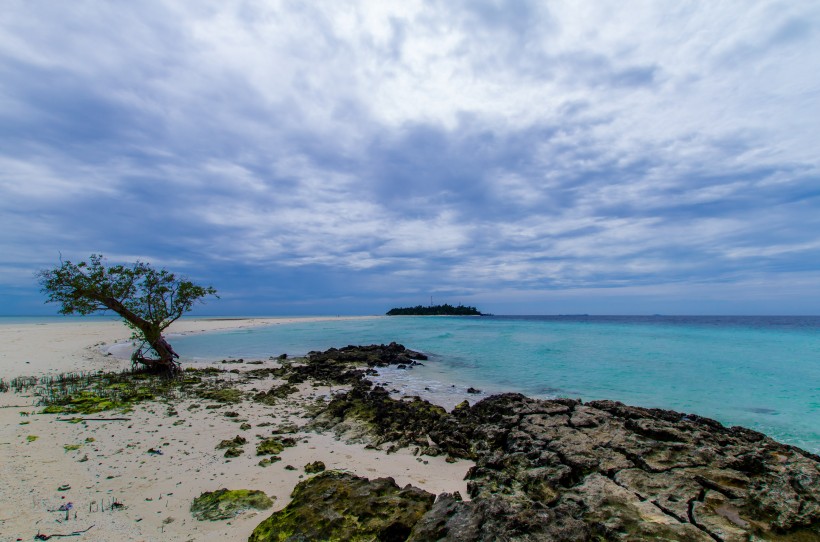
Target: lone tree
x=149 y=300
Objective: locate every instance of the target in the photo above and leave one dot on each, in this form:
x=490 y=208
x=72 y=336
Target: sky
x=338 y=157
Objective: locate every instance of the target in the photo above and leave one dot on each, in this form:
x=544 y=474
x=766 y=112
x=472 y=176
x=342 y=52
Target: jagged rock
x=225 y=504
x=564 y=470
x=233 y=452
x=313 y=468
x=339 y=506
x=274 y=446
x=232 y=443
x=274 y=394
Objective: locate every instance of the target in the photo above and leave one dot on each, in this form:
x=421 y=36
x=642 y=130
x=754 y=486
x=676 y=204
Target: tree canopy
x=149 y=300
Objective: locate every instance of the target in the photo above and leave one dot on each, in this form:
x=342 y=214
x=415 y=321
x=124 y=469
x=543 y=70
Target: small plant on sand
x=92 y=392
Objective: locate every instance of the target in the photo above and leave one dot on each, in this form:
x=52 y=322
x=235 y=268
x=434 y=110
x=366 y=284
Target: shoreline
x=33 y=348
x=107 y=462
x=133 y=476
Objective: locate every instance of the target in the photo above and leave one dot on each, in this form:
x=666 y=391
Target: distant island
x=435 y=310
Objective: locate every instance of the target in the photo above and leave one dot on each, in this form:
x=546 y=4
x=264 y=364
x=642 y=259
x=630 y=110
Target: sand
x=108 y=462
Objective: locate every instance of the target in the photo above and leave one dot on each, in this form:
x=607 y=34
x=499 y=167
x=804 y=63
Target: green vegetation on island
x=435 y=310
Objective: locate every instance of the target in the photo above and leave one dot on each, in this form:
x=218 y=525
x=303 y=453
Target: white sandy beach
x=108 y=461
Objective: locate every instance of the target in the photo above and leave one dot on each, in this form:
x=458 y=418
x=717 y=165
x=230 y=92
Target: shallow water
x=759 y=372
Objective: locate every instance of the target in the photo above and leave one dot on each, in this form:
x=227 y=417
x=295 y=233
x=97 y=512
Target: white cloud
x=559 y=143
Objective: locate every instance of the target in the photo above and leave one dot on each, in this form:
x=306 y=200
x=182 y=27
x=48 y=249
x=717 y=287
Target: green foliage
x=436 y=310
x=158 y=296
x=149 y=300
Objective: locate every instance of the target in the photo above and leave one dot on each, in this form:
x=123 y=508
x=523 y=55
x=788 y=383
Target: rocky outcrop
x=225 y=503
x=348 y=365
x=339 y=506
x=567 y=470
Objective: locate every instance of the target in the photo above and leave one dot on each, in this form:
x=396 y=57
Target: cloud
x=462 y=147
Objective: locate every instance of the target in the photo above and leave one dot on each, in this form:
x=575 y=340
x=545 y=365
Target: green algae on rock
x=233 y=452
x=272 y=396
x=269 y=461
x=270 y=446
x=335 y=505
x=225 y=503
x=222 y=395
x=313 y=468
x=230 y=443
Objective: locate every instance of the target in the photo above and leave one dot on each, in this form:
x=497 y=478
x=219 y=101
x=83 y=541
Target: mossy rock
x=270 y=446
x=339 y=506
x=234 y=452
x=232 y=443
x=275 y=393
x=286 y=429
x=224 y=395
x=225 y=503
x=269 y=461
x=313 y=468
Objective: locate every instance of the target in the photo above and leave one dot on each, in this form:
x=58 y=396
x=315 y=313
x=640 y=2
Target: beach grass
x=93 y=392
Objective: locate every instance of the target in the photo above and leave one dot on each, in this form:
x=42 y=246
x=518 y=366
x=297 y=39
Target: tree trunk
x=166 y=362
x=167 y=356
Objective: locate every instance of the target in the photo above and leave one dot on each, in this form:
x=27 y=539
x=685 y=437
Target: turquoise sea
x=758 y=372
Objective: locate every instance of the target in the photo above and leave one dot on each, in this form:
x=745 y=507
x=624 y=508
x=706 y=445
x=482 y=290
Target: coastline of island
x=599 y=468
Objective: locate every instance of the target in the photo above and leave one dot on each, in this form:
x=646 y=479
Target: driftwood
x=41 y=536
x=93 y=419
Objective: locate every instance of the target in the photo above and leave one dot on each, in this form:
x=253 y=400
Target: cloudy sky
x=336 y=157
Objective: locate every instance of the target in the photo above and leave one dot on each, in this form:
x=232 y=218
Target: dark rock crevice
x=693 y=519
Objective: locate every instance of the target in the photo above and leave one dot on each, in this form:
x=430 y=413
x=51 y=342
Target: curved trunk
x=166 y=363
x=152 y=335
